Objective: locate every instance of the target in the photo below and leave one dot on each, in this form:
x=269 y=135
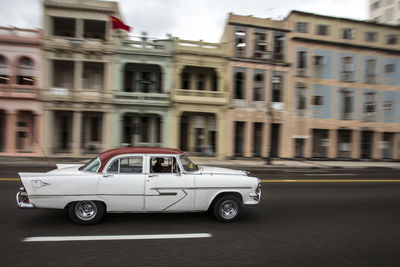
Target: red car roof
x=107 y=155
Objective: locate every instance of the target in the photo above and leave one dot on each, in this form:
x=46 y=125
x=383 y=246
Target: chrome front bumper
x=22 y=200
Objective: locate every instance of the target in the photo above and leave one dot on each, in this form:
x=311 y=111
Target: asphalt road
x=297 y=224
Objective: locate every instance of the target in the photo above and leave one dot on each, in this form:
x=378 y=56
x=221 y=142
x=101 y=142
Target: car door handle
x=153 y=175
x=108 y=175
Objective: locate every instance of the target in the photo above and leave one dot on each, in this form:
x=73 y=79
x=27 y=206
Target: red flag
x=118 y=24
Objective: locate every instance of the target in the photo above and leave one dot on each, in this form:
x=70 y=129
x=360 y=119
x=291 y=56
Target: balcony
x=140 y=98
x=19 y=91
x=347 y=76
x=199 y=47
x=199 y=97
x=16 y=35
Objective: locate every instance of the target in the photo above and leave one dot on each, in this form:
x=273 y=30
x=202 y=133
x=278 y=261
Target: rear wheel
x=86 y=212
x=227 y=208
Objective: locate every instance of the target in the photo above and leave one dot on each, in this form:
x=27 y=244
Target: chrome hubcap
x=228 y=209
x=86 y=210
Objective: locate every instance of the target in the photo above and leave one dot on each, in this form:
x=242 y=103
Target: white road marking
x=113 y=237
x=329 y=174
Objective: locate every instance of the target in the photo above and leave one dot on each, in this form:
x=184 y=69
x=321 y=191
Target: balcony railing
x=141 y=97
x=19 y=91
x=12 y=34
x=199 y=96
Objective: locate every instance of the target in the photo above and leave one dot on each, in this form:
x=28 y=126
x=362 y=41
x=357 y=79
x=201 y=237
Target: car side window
x=163 y=165
x=133 y=164
x=114 y=167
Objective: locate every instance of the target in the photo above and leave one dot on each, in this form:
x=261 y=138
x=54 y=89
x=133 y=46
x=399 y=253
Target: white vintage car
x=139 y=180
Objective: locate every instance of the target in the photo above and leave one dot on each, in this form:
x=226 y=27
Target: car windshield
x=91 y=166
x=188 y=164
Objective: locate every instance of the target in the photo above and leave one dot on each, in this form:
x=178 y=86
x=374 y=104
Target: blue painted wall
x=392 y=78
x=322 y=111
x=327 y=67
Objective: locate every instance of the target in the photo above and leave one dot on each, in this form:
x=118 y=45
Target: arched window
x=239 y=83
x=4 y=70
x=25 y=71
x=258 y=87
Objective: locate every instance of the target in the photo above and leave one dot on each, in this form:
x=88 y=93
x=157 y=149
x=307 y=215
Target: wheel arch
x=218 y=195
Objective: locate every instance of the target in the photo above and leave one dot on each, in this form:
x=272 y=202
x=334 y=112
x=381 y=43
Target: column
x=333 y=144
x=355 y=144
x=78 y=70
x=152 y=129
x=377 y=145
x=248 y=139
x=10 y=138
x=79 y=28
x=105 y=137
x=37 y=142
x=76 y=133
x=48 y=132
x=221 y=135
x=308 y=144
x=175 y=128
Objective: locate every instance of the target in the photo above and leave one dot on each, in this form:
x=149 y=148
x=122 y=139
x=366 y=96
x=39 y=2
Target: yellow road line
x=327 y=181
x=9 y=179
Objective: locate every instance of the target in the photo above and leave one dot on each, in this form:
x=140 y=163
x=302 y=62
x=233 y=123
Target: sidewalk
x=236 y=163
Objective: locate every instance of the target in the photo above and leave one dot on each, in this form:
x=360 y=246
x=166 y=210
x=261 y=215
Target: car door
x=122 y=184
x=168 y=189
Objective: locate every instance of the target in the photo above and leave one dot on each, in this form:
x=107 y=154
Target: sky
x=189 y=19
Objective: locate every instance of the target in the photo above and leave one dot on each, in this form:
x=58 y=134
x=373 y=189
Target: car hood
x=217 y=170
x=66 y=168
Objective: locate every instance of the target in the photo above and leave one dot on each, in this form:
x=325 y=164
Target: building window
x=260 y=46
x=276 y=88
x=239 y=84
x=318 y=100
x=185 y=80
x=387 y=105
x=94 y=29
x=348 y=33
x=370 y=71
x=302 y=27
x=369 y=105
x=93 y=75
x=25 y=71
x=94 y=136
x=347 y=107
x=258 y=87
x=391 y=39
x=64 y=27
x=371 y=37
x=347 y=69
x=301 y=63
x=4 y=71
x=389 y=14
x=144 y=134
x=389 y=68
x=200 y=81
x=240 y=43
x=301 y=97
x=279 y=42
x=322 y=30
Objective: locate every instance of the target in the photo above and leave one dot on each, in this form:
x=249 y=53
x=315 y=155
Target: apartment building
x=344 y=88
x=199 y=98
x=78 y=53
x=142 y=82
x=257 y=80
x=20 y=85
x=385 y=11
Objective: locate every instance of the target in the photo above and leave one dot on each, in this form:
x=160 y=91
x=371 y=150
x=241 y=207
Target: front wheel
x=227 y=208
x=86 y=212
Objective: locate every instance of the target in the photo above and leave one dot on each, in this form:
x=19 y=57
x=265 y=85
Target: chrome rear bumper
x=22 y=200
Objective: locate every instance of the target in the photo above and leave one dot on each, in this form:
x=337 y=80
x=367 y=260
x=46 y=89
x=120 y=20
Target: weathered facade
x=78 y=53
x=344 y=89
x=199 y=98
x=257 y=78
x=20 y=84
x=143 y=73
